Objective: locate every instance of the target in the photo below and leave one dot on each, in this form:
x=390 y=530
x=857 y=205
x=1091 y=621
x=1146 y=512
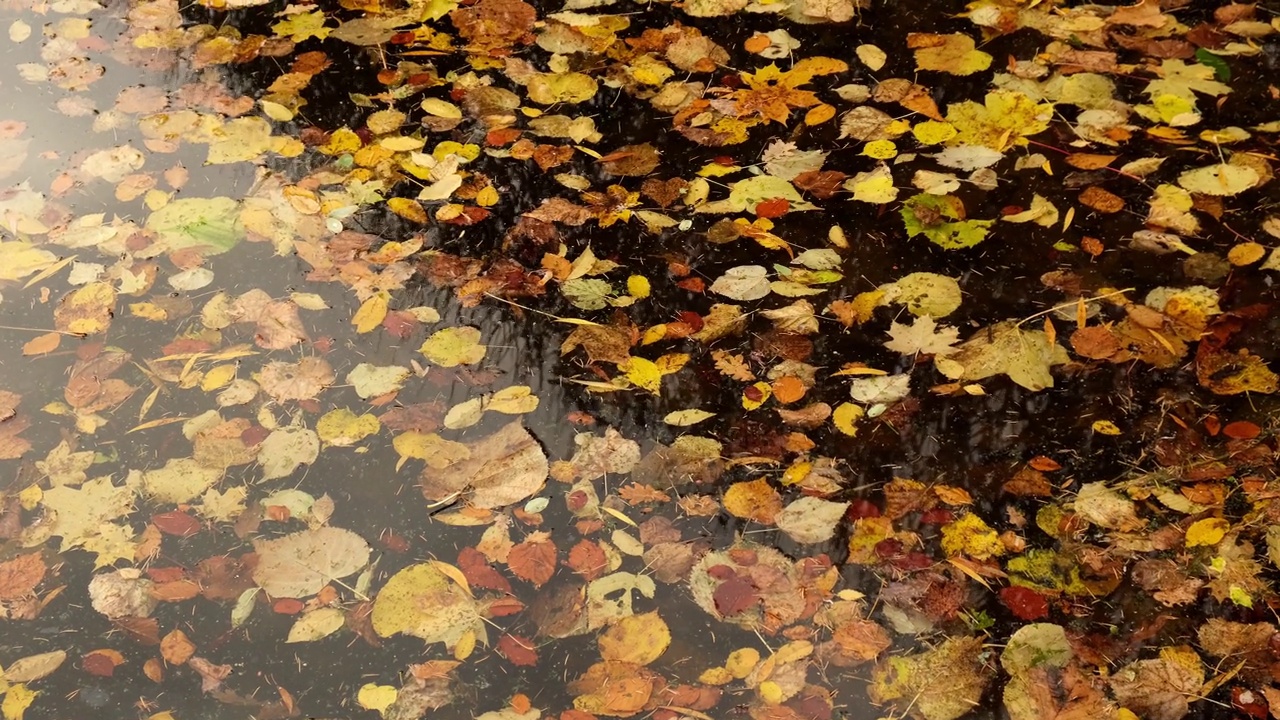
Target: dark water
x=976 y=443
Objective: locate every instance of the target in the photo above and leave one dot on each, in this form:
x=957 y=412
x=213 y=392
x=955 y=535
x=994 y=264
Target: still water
x=309 y=406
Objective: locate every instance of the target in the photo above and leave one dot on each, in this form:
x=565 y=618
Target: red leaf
x=733 y=596
x=289 y=606
x=588 y=560
x=503 y=607
x=520 y=651
x=100 y=663
x=1241 y=430
x=479 y=572
x=1026 y=603
x=772 y=208
x=176 y=523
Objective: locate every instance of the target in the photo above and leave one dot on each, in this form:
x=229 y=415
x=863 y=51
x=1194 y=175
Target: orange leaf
x=1044 y=464
x=788 y=389
x=1241 y=430
x=42 y=344
x=757 y=43
x=176 y=648
x=819 y=114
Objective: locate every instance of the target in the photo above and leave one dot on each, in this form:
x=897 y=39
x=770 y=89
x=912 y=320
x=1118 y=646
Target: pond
x=772 y=359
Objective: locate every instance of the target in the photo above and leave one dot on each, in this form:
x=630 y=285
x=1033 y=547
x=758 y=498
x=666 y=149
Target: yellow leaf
x=1105 y=427
x=741 y=662
x=218 y=377
x=408 y=209
x=971 y=536
x=376 y=697
x=756 y=395
x=442 y=108
x=819 y=114
x=148 y=311
x=638 y=639
x=372 y=312
x=22 y=259
x=276 y=111
x=770 y=692
x=16 y=701
x=1208 y=531
x=753 y=500
x=685 y=418
x=487 y=197
x=796 y=474
x=638 y=287
x=454 y=346
x=846 y=416
x=30 y=497
x=513 y=400
x=87 y=310
x=432 y=448
x=466 y=645
x=668 y=364
x=644 y=374
x=619 y=515
x=880 y=149
x=344 y=428
x=715 y=676
x=453 y=574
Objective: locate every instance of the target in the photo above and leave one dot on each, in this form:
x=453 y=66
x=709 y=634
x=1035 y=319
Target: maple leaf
x=772 y=93
x=923 y=335
x=1182 y=80
x=1004 y=348
x=300 y=26
x=82 y=512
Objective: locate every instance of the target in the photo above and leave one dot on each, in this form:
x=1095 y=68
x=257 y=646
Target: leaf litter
x=796 y=299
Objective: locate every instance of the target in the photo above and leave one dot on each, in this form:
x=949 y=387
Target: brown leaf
x=503 y=468
x=534 y=560
x=1101 y=200
x=631 y=160
x=176 y=648
x=19 y=576
x=102 y=662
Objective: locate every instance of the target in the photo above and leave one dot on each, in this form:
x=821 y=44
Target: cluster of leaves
x=471 y=96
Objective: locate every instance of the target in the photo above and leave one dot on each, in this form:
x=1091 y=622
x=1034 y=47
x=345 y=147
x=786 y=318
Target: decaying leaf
x=298 y=565
x=501 y=469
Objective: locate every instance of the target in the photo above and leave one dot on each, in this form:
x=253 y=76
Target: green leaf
x=938 y=217
x=1221 y=70
x=210 y=226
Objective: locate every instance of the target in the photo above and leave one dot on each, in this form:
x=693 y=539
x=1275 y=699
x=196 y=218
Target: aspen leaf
x=371 y=696
x=753 y=500
x=1207 y=532
x=638 y=639
x=454 y=346
x=343 y=428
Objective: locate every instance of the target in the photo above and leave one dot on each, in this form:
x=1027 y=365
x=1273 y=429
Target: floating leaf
x=316 y=624
x=298 y=565
x=454 y=346
x=423 y=602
